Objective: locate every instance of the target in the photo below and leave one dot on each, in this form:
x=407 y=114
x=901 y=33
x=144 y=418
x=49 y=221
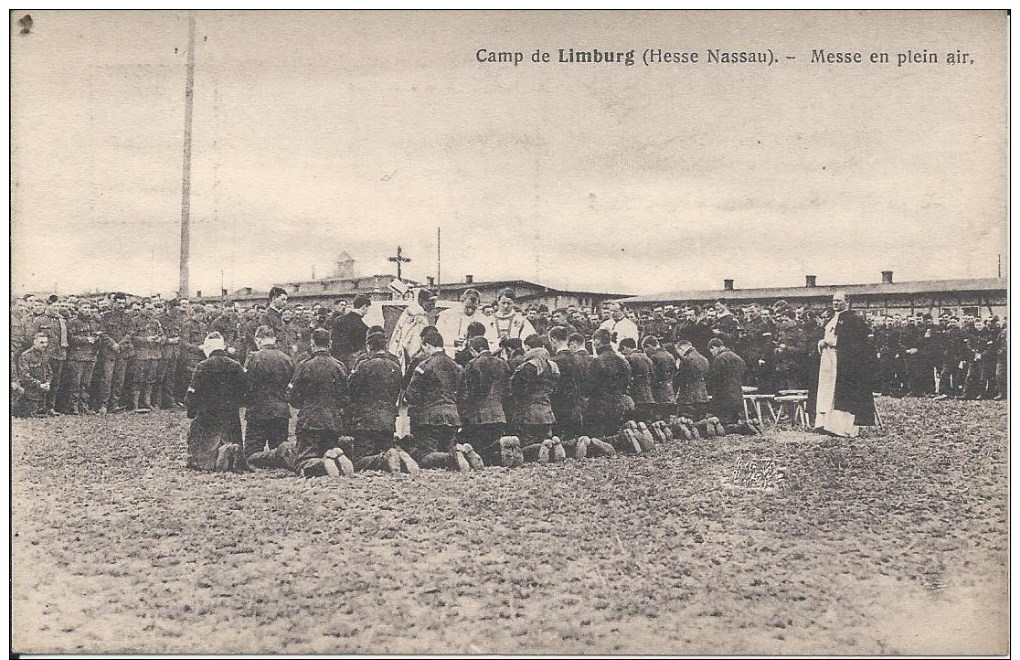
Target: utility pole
x=189 y=101
x=399 y=259
x=439 y=259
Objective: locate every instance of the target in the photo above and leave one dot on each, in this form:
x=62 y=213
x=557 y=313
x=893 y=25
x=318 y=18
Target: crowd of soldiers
x=507 y=382
x=938 y=356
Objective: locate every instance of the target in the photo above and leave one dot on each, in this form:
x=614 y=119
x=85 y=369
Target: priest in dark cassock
x=846 y=375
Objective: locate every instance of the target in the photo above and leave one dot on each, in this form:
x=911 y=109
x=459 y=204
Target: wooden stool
x=757 y=400
x=878 y=417
x=796 y=406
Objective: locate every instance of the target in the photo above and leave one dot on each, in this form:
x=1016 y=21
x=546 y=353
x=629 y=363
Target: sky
x=318 y=132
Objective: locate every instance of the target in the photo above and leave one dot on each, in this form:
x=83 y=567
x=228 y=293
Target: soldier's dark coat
x=432 y=391
x=642 y=372
x=610 y=384
x=530 y=386
x=374 y=387
x=664 y=369
x=725 y=380
x=269 y=371
x=319 y=389
x=214 y=400
x=485 y=387
x=689 y=382
x=569 y=398
x=348 y=335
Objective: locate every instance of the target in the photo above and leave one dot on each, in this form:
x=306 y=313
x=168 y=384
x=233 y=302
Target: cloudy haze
x=321 y=132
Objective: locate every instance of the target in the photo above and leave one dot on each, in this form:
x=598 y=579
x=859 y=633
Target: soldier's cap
x=657 y=309
x=119 y=296
x=53 y=298
x=173 y=303
x=780 y=306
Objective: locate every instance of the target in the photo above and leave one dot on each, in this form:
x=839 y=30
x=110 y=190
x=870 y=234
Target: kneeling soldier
x=486 y=381
x=214 y=402
x=432 y=397
x=268 y=415
x=319 y=390
x=375 y=386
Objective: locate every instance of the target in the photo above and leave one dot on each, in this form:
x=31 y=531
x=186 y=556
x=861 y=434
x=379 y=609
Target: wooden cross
x=399 y=259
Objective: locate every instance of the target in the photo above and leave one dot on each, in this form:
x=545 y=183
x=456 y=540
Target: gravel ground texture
x=793 y=543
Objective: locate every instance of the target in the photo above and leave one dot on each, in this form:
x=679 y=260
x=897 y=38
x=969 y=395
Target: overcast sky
x=321 y=132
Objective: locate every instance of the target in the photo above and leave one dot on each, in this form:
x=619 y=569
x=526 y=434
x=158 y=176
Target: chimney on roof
x=727 y=285
x=810 y=281
x=432 y=281
x=469 y=279
x=886 y=277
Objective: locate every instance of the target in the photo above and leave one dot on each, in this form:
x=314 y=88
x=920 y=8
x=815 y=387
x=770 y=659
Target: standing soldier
x=54 y=325
x=273 y=316
x=192 y=336
x=267 y=413
x=432 y=395
x=83 y=350
x=35 y=377
x=148 y=342
x=227 y=324
x=375 y=386
x=349 y=332
x=319 y=390
x=531 y=412
x=214 y=402
x=170 y=352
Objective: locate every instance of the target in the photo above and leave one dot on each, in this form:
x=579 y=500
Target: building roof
x=825 y=290
x=505 y=283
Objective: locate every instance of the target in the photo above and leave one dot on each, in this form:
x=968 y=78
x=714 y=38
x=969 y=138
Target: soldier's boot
x=627 y=439
x=543 y=451
x=600 y=447
x=506 y=451
x=319 y=467
x=720 y=430
x=225 y=457
x=581 y=448
x=693 y=428
x=392 y=458
x=518 y=452
x=145 y=403
x=408 y=464
x=557 y=454
x=102 y=410
x=341 y=462
x=473 y=458
x=705 y=428
x=645 y=438
x=459 y=460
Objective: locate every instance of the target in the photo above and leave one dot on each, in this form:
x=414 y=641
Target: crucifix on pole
x=399 y=260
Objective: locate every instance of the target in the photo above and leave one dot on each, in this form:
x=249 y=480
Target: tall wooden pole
x=189 y=101
x=439 y=259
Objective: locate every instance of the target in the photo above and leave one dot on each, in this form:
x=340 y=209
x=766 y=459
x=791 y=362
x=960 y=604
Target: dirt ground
x=795 y=543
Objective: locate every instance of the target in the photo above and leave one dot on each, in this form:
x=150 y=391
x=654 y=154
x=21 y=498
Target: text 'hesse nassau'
x=650 y=56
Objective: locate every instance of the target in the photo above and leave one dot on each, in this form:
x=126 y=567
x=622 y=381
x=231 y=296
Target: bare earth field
x=797 y=543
